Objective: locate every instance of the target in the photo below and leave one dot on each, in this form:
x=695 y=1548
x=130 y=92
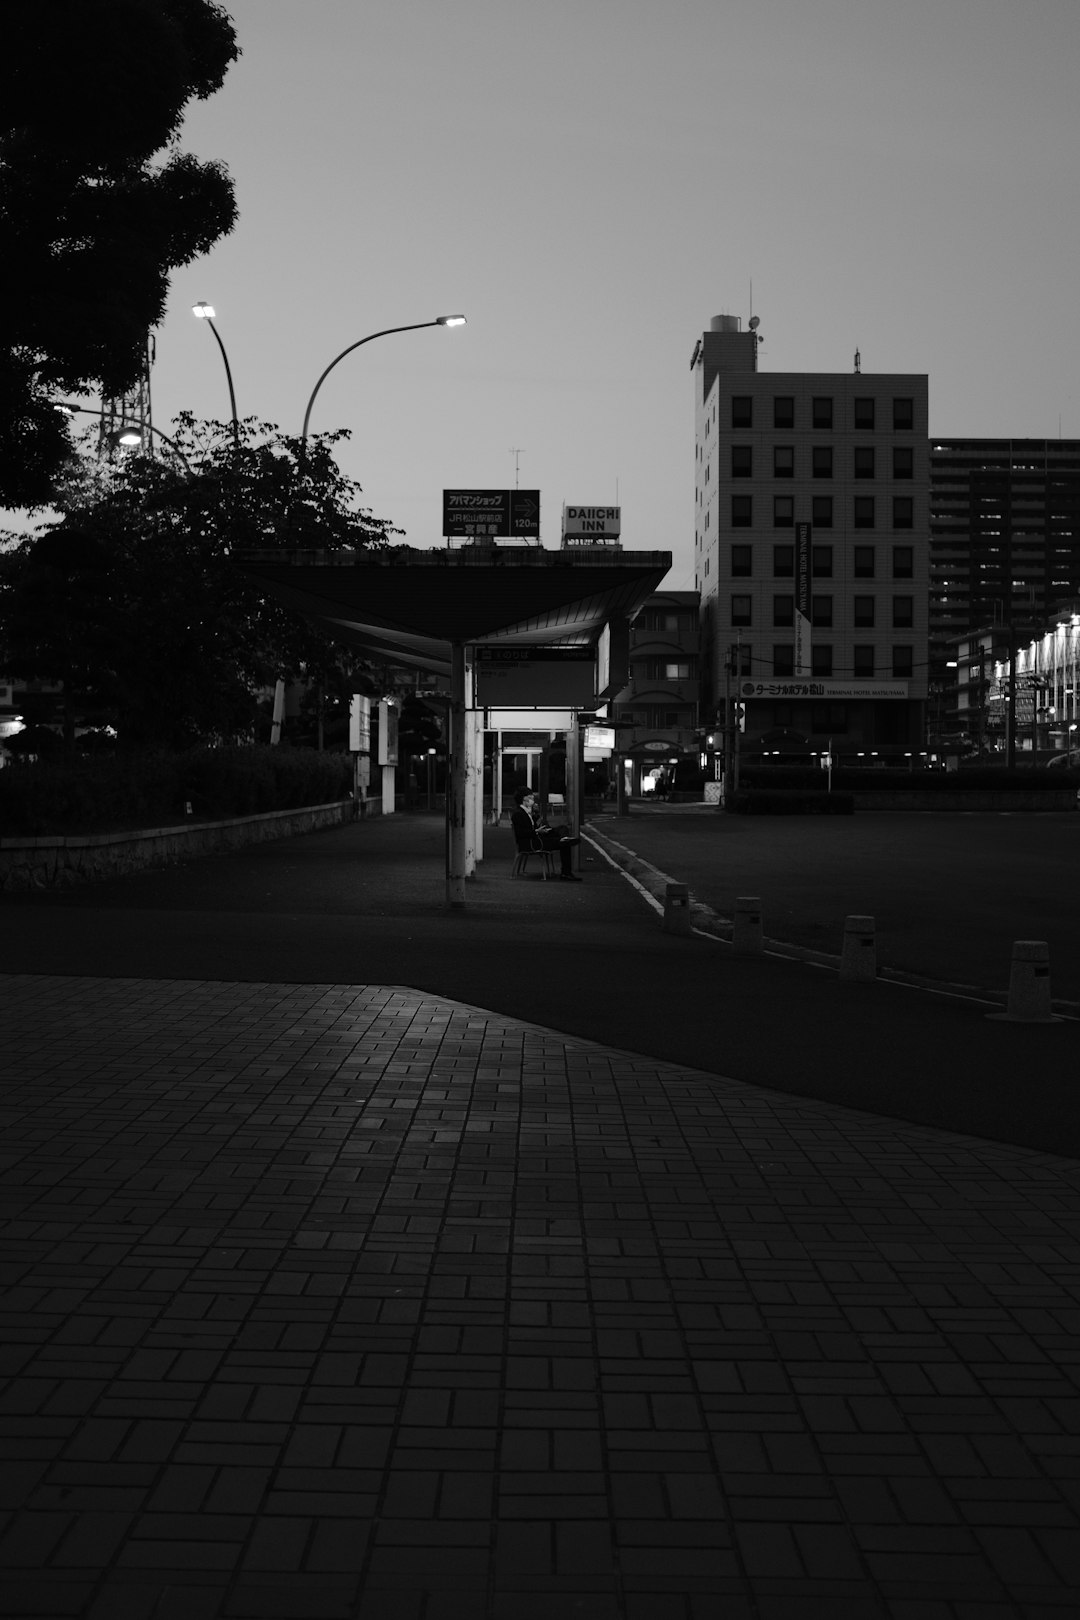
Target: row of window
x=864 y=512
x=864 y=665
x=869 y=413
x=865 y=463
x=863 y=611
x=863 y=562
x=663 y=669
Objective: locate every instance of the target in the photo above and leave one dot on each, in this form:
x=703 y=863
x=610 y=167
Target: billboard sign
x=803 y=535
x=591 y=525
x=495 y=514
x=549 y=676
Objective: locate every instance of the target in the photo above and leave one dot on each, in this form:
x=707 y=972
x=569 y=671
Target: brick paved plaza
x=336 y=1301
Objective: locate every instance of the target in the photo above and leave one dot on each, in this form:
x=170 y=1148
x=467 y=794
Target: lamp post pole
x=416 y=326
x=86 y=410
x=205 y=312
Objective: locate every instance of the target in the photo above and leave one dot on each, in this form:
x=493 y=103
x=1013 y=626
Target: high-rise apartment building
x=811 y=550
x=1004 y=540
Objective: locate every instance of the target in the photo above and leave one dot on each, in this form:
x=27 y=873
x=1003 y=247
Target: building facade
x=1004 y=557
x=811 y=552
x=656 y=715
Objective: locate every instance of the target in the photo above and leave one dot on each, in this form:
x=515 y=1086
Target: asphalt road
x=365 y=904
x=949 y=892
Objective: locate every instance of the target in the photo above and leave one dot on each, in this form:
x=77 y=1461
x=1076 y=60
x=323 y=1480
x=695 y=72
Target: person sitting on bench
x=532 y=833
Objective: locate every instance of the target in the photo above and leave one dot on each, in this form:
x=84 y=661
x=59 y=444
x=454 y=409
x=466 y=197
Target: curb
x=652 y=882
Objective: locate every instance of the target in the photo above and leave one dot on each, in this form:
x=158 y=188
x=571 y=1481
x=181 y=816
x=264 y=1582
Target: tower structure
x=130 y=413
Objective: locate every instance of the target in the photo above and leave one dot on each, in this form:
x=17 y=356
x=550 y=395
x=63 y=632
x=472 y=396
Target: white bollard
x=746 y=935
x=676 y=909
x=1029 y=985
x=858 y=957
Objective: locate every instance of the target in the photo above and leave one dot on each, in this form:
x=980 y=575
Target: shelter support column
x=456 y=795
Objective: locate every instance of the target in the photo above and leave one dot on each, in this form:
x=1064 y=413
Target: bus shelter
x=433 y=610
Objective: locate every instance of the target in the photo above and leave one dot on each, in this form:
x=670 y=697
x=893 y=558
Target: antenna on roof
x=858 y=362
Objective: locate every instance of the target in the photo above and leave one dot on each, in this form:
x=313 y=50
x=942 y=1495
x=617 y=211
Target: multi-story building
x=1004 y=550
x=811 y=550
x=657 y=713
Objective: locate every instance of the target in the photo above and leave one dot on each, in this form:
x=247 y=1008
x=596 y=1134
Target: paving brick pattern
x=338 y=1301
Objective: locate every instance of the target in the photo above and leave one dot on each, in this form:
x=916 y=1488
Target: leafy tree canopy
x=135 y=602
x=97 y=203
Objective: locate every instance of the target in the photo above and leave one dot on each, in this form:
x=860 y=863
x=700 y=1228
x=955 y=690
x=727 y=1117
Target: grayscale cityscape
x=539 y=810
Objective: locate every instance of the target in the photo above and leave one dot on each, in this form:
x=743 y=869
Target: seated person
x=534 y=834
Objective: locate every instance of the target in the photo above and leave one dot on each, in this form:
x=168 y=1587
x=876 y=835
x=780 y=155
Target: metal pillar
x=456 y=795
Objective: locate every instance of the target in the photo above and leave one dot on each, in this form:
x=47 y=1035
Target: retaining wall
x=60 y=863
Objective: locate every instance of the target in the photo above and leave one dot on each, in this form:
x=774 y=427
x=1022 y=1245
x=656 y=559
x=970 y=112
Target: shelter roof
x=410 y=606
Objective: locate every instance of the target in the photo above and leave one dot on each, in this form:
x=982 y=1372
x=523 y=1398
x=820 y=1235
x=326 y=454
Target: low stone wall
x=60 y=863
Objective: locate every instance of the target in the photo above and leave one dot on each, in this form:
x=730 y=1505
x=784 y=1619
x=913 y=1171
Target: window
x=783 y=461
x=864 y=461
x=864 y=511
x=903 y=462
x=821 y=660
x=903 y=612
x=783 y=610
x=742 y=411
x=903 y=562
x=903 y=661
x=821 y=511
x=903 y=512
x=783 y=562
x=676 y=671
x=821 y=460
x=740 y=609
x=822 y=413
x=783 y=659
x=742 y=511
x=828 y=719
x=783 y=410
x=864 y=612
x=862 y=663
x=742 y=560
x=863 y=559
x=864 y=413
x=903 y=414
x=821 y=562
x=783 y=512
x=821 y=611
x=742 y=461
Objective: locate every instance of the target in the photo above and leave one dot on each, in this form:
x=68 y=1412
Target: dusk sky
x=590 y=181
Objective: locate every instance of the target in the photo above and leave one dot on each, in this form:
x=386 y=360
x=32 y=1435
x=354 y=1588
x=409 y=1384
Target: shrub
x=791 y=802
x=110 y=794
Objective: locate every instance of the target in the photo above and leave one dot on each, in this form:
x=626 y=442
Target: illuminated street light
x=440 y=320
x=205 y=312
x=129 y=436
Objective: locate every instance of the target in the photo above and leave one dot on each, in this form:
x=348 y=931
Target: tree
x=136 y=603
x=97 y=204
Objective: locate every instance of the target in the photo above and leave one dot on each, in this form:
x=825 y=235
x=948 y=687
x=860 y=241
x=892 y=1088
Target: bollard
x=1029 y=985
x=858 y=958
x=746 y=935
x=676 y=909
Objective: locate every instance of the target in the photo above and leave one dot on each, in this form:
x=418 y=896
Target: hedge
x=93 y=795
x=976 y=779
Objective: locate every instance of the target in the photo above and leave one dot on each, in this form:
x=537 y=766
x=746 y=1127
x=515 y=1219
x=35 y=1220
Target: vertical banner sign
x=388 y=730
x=803 y=660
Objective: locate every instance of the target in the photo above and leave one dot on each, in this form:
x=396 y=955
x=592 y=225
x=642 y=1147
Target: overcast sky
x=590 y=181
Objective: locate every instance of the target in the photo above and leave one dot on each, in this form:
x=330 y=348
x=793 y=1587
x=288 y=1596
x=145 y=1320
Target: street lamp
x=440 y=320
x=130 y=435
x=205 y=312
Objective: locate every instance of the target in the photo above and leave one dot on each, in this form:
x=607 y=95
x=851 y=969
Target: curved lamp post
x=205 y=312
x=129 y=436
x=440 y=320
